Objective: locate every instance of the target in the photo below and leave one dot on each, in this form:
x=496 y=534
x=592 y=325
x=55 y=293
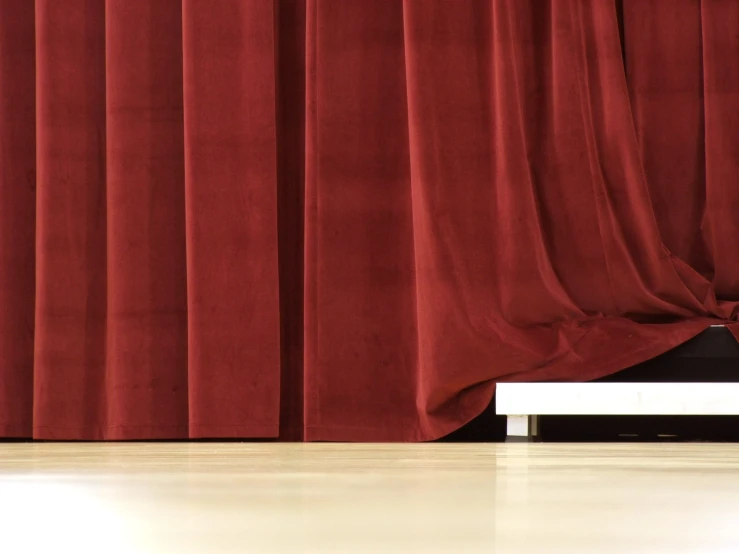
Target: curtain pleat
x=70 y=366
x=346 y=220
x=231 y=206
x=664 y=66
x=719 y=20
x=17 y=216
x=146 y=317
x=360 y=306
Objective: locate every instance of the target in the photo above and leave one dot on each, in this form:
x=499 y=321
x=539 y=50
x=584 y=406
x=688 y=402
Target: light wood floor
x=260 y=498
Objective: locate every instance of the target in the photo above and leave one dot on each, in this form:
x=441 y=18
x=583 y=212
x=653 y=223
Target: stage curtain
x=348 y=219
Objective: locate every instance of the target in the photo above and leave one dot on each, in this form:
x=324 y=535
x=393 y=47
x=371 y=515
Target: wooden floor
x=267 y=498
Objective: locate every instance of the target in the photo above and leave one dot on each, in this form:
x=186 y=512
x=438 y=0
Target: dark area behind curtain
x=344 y=219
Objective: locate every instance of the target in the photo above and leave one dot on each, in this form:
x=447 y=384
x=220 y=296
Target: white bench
x=523 y=403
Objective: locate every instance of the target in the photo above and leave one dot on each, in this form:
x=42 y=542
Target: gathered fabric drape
x=347 y=219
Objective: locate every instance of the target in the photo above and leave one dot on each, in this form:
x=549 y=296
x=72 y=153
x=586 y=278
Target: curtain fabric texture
x=347 y=219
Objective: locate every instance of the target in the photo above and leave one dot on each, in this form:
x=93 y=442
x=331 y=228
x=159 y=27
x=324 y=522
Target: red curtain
x=346 y=219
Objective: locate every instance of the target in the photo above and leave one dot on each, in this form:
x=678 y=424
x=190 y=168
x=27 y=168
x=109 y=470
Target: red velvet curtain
x=346 y=219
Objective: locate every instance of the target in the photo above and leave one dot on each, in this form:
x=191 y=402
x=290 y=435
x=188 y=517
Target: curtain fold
x=231 y=205
x=346 y=220
x=145 y=267
x=70 y=368
x=17 y=215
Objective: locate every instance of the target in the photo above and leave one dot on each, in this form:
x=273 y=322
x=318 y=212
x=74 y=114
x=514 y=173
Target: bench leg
x=522 y=428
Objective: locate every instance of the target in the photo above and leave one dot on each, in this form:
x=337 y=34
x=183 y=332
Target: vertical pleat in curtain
x=346 y=220
x=17 y=215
